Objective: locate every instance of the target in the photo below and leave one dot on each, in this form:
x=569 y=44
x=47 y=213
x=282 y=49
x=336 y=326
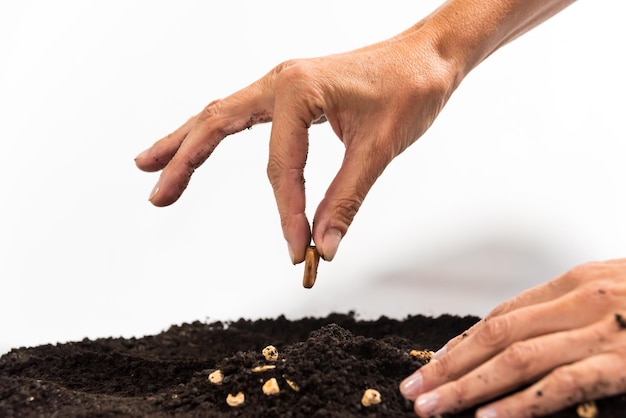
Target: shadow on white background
x=519 y=179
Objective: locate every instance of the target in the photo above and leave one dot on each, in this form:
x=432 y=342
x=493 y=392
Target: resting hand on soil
x=378 y=100
x=566 y=339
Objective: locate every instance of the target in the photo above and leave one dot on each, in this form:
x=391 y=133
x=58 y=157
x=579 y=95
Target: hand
x=378 y=100
x=566 y=339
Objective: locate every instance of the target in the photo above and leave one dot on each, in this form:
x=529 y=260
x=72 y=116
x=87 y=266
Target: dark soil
x=332 y=360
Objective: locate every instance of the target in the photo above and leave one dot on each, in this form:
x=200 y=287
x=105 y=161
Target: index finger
x=217 y=120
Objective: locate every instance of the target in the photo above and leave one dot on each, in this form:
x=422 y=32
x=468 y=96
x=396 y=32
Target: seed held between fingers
x=311 y=261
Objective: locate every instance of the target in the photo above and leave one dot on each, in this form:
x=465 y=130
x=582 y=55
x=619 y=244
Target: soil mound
x=316 y=367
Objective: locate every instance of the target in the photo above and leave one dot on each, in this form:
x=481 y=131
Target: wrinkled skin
x=566 y=338
x=365 y=110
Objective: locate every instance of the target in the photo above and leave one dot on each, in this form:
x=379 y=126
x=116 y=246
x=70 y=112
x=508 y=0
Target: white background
x=521 y=177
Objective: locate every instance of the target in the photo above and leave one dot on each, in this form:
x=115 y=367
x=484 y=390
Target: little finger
x=521 y=363
x=589 y=379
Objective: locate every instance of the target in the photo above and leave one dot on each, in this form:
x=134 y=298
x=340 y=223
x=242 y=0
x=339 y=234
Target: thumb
x=361 y=167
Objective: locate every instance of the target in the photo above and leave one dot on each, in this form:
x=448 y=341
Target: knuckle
x=344 y=211
x=281 y=176
x=564 y=382
x=211 y=110
x=502 y=308
x=299 y=78
x=603 y=294
x=441 y=370
x=460 y=392
x=495 y=332
x=583 y=272
x=519 y=356
x=292 y=70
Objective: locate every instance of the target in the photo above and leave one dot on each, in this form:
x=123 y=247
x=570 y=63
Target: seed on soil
x=587 y=410
x=371 y=397
x=270 y=353
x=293 y=385
x=311 y=261
x=422 y=354
x=216 y=377
x=263 y=368
x=271 y=387
x=235 y=400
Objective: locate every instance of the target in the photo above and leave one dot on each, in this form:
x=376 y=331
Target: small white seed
x=271 y=387
x=293 y=385
x=311 y=261
x=371 y=397
x=587 y=410
x=263 y=368
x=216 y=377
x=235 y=400
x=270 y=353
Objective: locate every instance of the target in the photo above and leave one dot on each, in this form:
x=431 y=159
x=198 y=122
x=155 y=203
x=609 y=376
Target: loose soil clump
x=336 y=366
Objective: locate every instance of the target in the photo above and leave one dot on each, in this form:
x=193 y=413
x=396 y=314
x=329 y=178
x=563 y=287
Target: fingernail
x=154 y=191
x=292 y=255
x=330 y=243
x=142 y=154
x=487 y=413
x=427 y=403
x=440 y=353
x=412 y=386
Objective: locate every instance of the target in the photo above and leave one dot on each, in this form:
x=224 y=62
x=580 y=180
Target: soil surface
x=324 y=365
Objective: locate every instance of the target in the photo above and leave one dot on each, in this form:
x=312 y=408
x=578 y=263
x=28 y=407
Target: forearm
x=465 y=32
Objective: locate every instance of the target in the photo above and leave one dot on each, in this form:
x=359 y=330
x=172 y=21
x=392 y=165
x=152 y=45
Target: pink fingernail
x=154 y=192
x=292 y=255
x=330 y=243
x=487 y=413
x=142 y=154
x=412 y=386
x=427 y=403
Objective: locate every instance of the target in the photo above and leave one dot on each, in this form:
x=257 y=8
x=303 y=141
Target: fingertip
x=140 y=159
x=142 y=154
x=330 y=243
x=153 y=193
x=412 y=386
x=297 y=233
x=292 y=254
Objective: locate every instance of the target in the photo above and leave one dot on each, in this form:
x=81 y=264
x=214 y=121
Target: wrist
x=465 y=32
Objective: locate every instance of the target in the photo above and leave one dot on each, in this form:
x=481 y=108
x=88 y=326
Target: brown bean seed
x=311 y=261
